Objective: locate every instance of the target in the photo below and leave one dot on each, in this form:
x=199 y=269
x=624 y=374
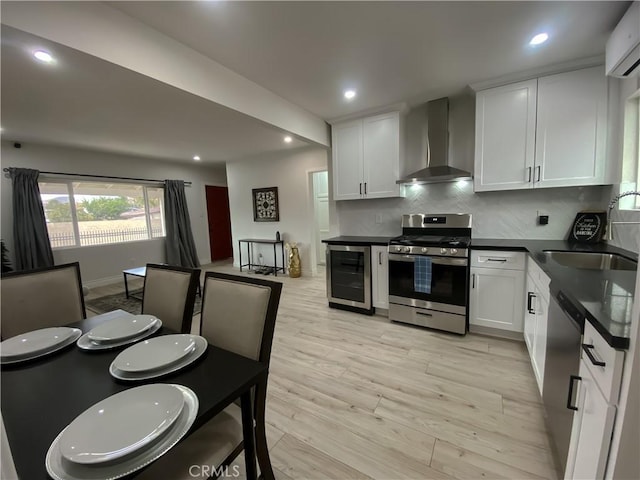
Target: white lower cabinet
x=380 y=276
x=592 y=429
x=598 y=386
x=497 y=290
x=540 y=341
x=535 y=318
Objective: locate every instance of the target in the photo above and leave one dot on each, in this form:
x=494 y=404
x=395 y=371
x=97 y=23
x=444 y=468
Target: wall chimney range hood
x=435 y=133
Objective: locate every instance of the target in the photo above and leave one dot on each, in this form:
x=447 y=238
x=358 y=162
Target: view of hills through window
x=98 y=213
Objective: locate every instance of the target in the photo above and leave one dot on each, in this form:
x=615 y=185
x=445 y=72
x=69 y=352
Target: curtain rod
x=101 y=176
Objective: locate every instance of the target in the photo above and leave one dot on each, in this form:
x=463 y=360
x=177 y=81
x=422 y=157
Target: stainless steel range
x=429 y=272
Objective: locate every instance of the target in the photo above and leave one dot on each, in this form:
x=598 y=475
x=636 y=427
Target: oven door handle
x=396 y=257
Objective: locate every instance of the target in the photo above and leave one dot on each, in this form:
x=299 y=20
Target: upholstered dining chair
x=41 y=298
x=169 y=293
x=239 y=315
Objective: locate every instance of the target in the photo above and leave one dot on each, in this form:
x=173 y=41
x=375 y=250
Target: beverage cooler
x=349 y=278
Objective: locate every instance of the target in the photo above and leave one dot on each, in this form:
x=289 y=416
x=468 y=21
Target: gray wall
x=290 y=172
x=104 y=263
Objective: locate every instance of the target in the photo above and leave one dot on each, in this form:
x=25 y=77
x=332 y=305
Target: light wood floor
x=358 y=397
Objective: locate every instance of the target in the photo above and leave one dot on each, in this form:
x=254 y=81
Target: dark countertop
x=345 y=240
x=604 y=297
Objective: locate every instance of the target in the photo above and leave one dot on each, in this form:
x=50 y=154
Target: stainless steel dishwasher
x=562 y=363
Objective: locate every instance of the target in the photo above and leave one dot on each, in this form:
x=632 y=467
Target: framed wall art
x=265 y=205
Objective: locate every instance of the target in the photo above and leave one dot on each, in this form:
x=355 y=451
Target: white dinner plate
x=199 y=348
x=121 y=328
x=121 y=424
x=155 y=353
x=59 y=468
x=85 y=343
x=37 y=343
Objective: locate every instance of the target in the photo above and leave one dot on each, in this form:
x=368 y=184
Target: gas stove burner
x=430 y=241
x=459 y=241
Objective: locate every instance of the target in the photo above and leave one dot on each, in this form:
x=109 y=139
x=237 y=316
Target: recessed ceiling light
x=539 y=38
x=44 y=57
x=288 y=139
x=196 y=158
x=349 y=94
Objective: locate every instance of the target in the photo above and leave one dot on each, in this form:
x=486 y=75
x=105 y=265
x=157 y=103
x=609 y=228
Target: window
x=631 y=153
x=88 y=213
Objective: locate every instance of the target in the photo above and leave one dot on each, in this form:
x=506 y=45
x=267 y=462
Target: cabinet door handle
x=530 y=297
x=365 y=188
x=572 y=379
x=473 y=280
x=587 y=349
x=360 y=189
x=500 y=260
x=538 y=168
x=529 y=176
x=379 y=258
x=424 y=314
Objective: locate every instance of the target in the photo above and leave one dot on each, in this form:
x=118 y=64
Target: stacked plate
x=123 y=433
x=157 y=356
x=119 y=331
x=37 y=343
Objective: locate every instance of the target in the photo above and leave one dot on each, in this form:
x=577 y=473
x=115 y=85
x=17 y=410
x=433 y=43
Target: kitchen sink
x=592 y=260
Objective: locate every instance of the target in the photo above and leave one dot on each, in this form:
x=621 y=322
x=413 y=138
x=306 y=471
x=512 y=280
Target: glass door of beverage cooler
x=349 y=275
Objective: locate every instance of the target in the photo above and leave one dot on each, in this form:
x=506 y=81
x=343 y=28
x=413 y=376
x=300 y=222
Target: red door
x=219 y=222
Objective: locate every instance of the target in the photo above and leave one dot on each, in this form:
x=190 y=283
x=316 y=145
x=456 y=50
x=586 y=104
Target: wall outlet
x=378 y=218
x=542 y=218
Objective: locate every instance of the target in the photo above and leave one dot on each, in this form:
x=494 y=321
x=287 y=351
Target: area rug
x=117 y=301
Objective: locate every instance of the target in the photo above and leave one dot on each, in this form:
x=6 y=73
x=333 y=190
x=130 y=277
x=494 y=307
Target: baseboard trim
x=382 y=312
x=101 y=282
x=496 y=332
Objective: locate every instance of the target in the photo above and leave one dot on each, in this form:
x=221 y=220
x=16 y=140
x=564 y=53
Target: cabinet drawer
x=608 y=376
x=498 y=259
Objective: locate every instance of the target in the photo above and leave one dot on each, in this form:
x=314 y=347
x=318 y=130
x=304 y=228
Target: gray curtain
x=179 y=244
x=30 y=237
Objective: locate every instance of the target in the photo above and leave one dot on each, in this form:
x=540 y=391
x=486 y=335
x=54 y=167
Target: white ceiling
x=86 y=102
x=306 y=52
x=309 y=52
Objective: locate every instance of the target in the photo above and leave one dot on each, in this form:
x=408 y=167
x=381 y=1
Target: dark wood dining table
x=42 y=396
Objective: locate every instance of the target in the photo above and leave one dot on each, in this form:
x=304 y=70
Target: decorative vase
x=294 y=262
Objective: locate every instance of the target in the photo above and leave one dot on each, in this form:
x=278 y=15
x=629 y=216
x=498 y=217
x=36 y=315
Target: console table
x=250 y=264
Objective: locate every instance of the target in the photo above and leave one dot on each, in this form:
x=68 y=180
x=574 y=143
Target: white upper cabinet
x=347 y=160
x=545 y=132
x=366 y=157
x=571 y=133
x=505 y=137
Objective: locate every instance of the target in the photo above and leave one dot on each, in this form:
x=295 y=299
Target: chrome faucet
x=612 y=204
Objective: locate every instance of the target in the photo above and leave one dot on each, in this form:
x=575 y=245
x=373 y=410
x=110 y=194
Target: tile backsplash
x=508 y=214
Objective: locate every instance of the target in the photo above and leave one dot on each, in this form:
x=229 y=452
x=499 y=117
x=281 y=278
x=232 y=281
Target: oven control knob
x=398 y=249
x=443 y=250
x=454 y=251
x=407 y=249
x=425 y=250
